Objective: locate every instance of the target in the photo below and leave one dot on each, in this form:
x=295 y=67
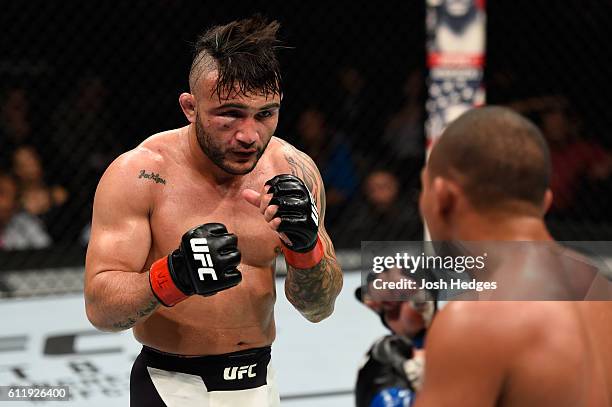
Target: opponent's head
x=235 y=92
x=489 y=161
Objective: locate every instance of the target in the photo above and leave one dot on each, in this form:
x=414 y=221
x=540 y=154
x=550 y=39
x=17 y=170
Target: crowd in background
x=84 y=81
x=50 y=162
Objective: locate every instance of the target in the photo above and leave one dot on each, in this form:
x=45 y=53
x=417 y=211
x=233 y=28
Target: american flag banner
x=455 y=58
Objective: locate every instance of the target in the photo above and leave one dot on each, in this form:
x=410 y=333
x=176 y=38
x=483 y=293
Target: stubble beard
x=216 y=155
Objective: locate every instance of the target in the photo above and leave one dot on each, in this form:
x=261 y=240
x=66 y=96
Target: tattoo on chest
x=153 y=176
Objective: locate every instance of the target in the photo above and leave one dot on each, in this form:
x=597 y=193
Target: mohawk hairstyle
x=244 y=54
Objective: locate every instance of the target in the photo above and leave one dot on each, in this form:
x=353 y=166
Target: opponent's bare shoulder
x=505 y=322
x=472 y=345
x=480 y=321
x=501 y=331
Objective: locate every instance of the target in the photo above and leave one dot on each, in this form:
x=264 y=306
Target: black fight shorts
x=243 y=379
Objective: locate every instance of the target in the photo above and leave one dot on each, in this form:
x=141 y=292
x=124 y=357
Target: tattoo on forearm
x=313 y=291
x=152 y=176
x=131 y=321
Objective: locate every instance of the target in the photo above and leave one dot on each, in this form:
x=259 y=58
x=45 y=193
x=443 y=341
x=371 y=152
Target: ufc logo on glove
x=201 y=253
x=207 y=249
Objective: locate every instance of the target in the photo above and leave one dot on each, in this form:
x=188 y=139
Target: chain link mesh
x=82 y=82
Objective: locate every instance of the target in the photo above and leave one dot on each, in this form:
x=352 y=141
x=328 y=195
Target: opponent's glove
x=299 y=220
x=398 y=352
x=382 y=380
x=205 y=263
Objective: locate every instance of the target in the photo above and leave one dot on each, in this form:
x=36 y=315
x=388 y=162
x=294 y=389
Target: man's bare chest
x=179 y=208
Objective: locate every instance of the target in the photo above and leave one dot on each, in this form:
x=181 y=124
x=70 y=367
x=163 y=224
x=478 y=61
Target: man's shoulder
x=497 y=312
x=463 y=317
x=160 y=148
x=282 y=151
x=501 y=323
x=279 y=147
x=152 y=154
x=142 y=170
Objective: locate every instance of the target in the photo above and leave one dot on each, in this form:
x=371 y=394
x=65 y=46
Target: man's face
x=555 y=127
x=311 y=126
x=406 y=312
x=234 y=131
x=26 y=165
x=381 y=189
x=458 y=8
x=405 y=318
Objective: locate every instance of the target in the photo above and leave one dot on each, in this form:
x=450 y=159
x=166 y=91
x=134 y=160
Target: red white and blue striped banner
x=455 y=57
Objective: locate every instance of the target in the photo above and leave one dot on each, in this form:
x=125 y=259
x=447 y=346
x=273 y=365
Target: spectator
x=86 y=143
x=577 y=163
x=18 y=230
x=333 y=156
x=15 y=126
x=382 y=214
x=351 y=101
x=574 y=160
x=404 y=133
x=37 y=198
x=83 y=136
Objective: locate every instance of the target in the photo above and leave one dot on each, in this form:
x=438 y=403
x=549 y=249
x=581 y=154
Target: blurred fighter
x=186 y=228
x=393 y=367
x=487 y=179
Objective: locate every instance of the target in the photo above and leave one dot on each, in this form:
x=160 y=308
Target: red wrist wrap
x=162 y=285
x=304 y=260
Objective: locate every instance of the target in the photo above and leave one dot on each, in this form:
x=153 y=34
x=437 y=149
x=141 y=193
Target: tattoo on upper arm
x=154 y=176
x=304 y=168
x=312 y=291
x=131 y=321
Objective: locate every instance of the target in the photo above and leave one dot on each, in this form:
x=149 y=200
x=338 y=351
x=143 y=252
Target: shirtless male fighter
x=487 y=180
x=186 y=228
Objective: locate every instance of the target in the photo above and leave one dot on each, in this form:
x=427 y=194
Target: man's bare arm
x=313 y=291
x=117 y=290
x=119 y=300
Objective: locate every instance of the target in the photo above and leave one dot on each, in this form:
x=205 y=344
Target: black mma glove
x=205 y=263
x=299 y=220
x=398 y=352
x=383 y=374
x=393 y=351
